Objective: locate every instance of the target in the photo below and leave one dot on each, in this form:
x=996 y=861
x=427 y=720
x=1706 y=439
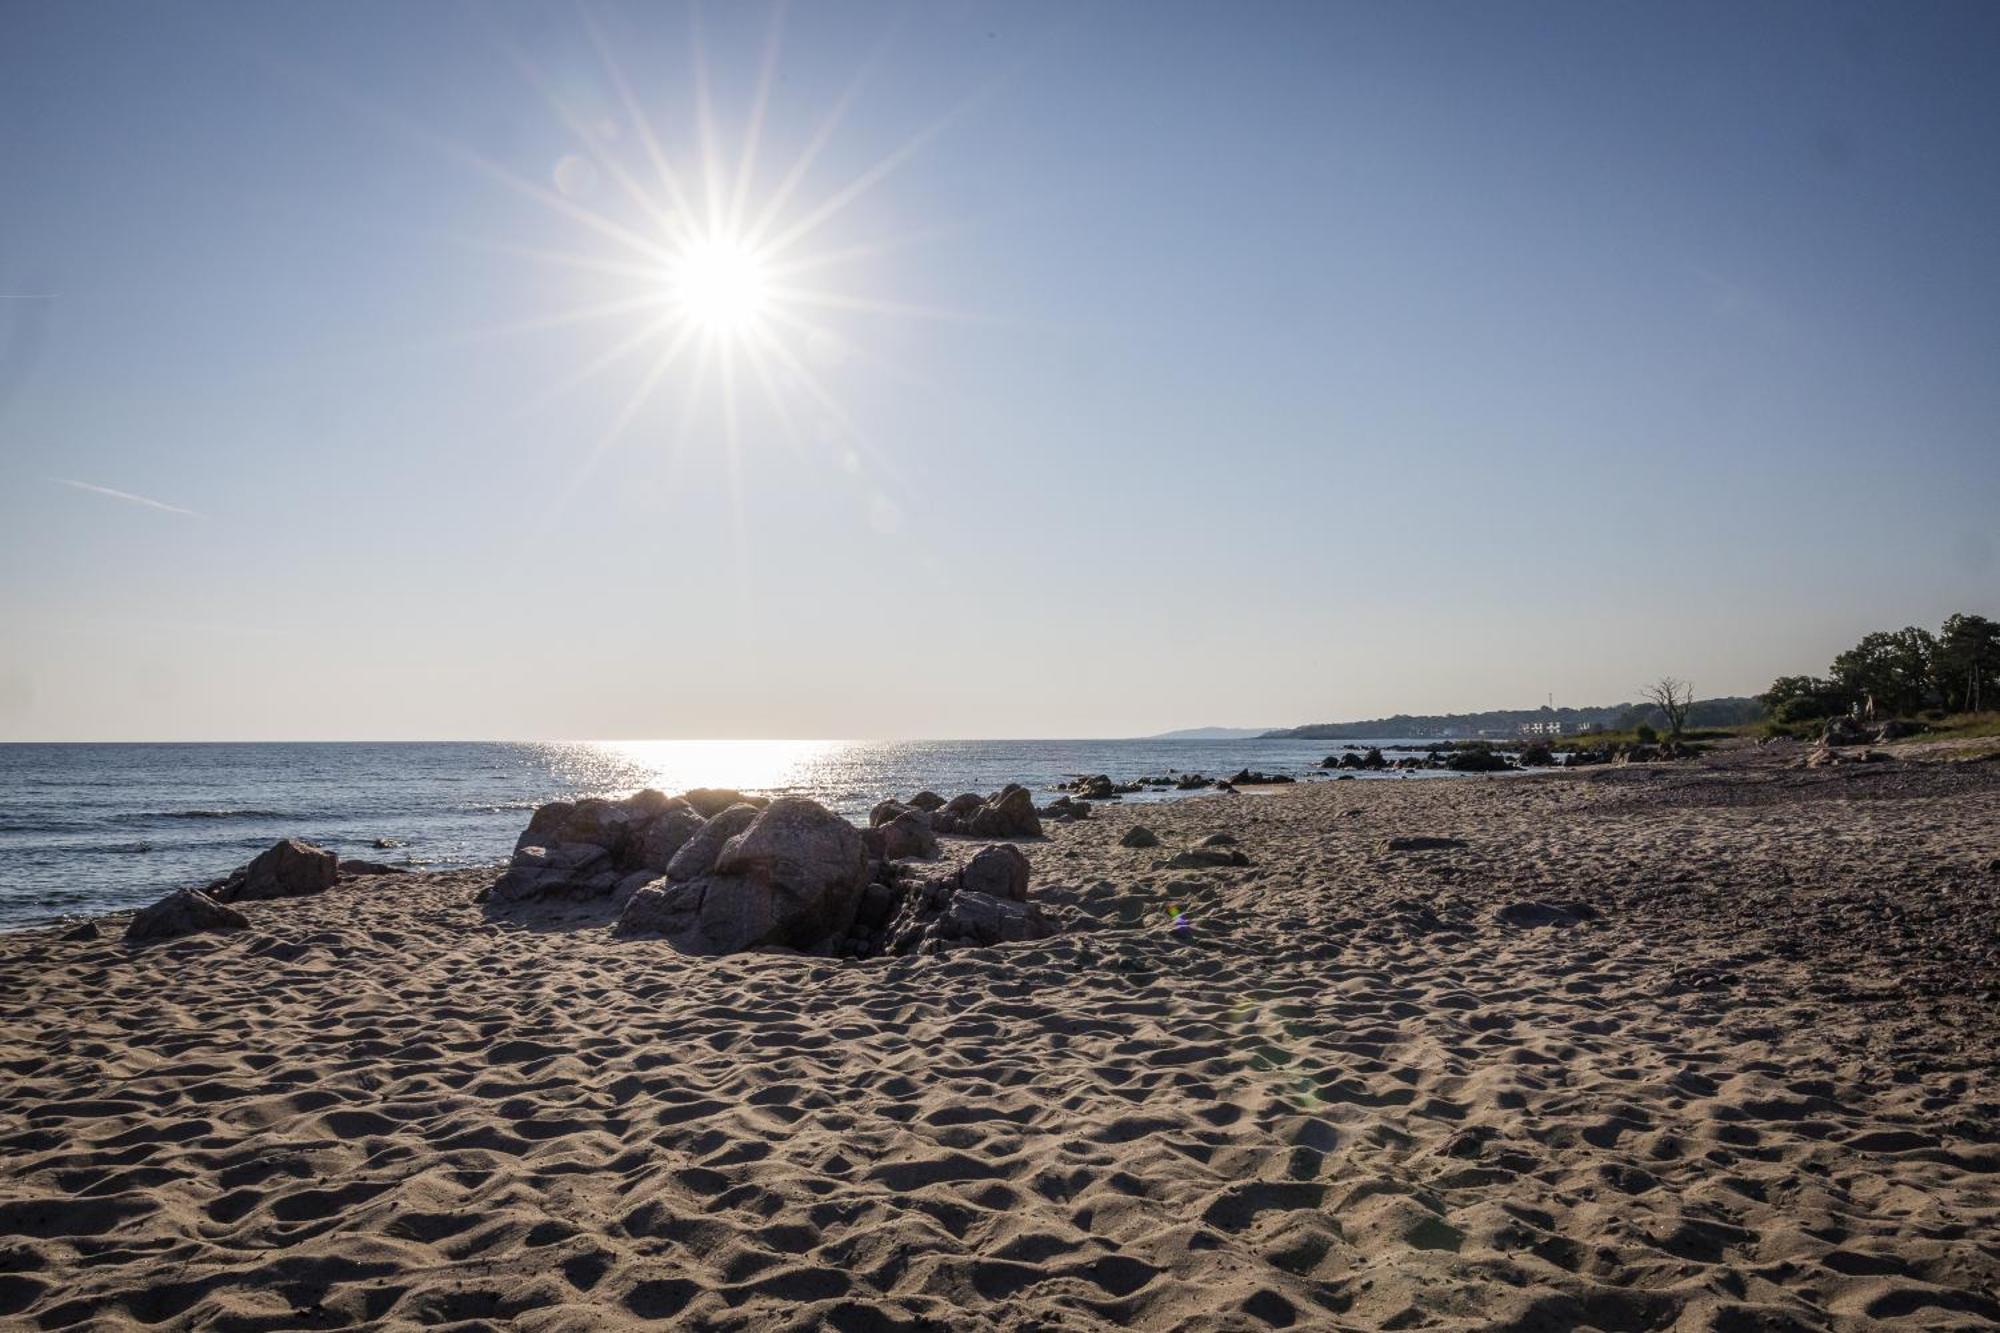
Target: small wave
x=147 y=816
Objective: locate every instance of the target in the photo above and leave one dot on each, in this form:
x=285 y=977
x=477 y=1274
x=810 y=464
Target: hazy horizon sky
x=1123 y=368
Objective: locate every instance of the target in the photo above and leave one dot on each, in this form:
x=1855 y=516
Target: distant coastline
x=1727 y=711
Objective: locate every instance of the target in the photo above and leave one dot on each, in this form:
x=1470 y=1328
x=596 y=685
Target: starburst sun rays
x=720 y=286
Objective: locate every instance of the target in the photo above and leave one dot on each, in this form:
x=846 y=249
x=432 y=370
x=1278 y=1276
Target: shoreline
x=1707 y=1045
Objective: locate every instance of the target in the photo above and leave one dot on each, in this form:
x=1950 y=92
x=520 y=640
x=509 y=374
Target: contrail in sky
x=124 y=495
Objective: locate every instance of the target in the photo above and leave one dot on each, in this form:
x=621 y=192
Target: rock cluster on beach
x=290 y=868
x=720 y=873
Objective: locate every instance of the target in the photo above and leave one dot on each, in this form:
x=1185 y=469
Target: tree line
x=1900 y=672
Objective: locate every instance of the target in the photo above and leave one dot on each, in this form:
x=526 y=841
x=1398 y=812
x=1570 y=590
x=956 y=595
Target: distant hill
x=1723 y=712
x=1212 y=734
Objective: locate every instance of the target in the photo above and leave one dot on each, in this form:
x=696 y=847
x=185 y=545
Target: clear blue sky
x=1252 y=364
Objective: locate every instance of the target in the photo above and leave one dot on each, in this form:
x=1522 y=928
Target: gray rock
x=885 y=811
x=669 y=831
x=1139 y=836
x=999 y=872
x=697 y=855
x=908 y=834
x=84 y=931
x=1218 y=840
x=926 y=801
x=183 y=912
x=353 y=869
x=290 y=869
x=792 y=877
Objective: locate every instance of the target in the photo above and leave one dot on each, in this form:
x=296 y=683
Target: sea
x=87 y=829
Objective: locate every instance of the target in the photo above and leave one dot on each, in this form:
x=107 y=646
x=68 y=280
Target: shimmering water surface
x=92 y=828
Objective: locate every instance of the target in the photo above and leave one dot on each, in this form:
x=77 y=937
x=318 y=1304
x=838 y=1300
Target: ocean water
x=94 y=828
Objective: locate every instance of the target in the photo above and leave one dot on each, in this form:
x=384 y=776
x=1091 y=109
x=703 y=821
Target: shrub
x=1645 y=734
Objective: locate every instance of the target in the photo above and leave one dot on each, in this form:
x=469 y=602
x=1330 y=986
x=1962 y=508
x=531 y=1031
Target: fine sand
x=1754 y=1089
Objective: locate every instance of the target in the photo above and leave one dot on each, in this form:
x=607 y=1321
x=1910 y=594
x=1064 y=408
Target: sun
x=720 y=285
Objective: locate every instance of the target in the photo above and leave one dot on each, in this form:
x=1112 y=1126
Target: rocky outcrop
x=290 y=869
x=791 y=878
x=1064 y=810
x=1246 y=778
x=183 y=912
x=593 y=847
x=1008 y=813
x=984 y=904
x=1477 y=759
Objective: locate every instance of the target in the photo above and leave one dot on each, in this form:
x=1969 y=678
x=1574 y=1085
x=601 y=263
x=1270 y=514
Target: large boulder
x=697 y=856
x=669 y=831
x=290 y=869
x=183 y=912
x=792 y=877
x=998 y=872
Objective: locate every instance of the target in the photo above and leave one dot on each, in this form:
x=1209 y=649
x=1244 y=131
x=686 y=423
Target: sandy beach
x=1699 y=1046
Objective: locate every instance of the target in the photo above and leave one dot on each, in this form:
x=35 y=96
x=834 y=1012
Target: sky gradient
x=1157 y=366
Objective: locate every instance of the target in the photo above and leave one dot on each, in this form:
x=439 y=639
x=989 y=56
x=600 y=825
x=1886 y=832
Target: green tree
x=1966 y=663
x=1895 y=668
x=1804 y=699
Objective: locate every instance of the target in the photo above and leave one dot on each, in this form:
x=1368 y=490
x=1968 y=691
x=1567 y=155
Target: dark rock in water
x=708 y=802
x=1218 y=840
x=1010 y=813
x=1532 y=914
x=353 y=869
x=290 y=869
x=1192 y=782
x=1537 y=755
x=184 y=912
x=793 y=878
x=385 y=844
x=1477 y=760
x=1418 y=844
x=1246 y=778
x=697 y=856
x=926 y=801
x=85 y=931
x=1205 y=858
x=1139 y=836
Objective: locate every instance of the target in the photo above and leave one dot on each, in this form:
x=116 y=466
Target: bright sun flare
x=720 y=285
